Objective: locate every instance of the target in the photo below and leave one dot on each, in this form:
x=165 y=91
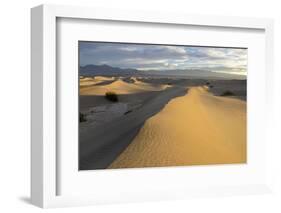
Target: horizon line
x=161 y=70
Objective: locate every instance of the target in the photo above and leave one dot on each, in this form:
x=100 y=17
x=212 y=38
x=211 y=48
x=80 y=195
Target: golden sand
x=121 y=87
x=87 y=81
x=196 y=129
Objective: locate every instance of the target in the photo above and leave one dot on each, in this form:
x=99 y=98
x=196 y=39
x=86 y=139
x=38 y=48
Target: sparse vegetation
x=227 y=93
x=111 y=96
x=129 y=111
x=82 y=117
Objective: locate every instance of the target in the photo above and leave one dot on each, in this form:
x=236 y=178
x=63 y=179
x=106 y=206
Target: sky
x=164 y=57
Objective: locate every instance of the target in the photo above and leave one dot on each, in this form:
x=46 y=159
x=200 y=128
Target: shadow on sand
x=99 y=147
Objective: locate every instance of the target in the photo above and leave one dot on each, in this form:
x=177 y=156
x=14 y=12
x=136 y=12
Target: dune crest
x=89 y=81
x=195 y=129
x=121 y=87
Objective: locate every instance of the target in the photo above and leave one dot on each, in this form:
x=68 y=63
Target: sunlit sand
x=196 y=129
x=88 y=81
x=118 y=86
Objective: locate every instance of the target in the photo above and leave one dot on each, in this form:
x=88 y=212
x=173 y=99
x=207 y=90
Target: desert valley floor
x=161 y=122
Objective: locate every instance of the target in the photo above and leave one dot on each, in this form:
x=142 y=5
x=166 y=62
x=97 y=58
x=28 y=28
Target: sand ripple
x=195 y=129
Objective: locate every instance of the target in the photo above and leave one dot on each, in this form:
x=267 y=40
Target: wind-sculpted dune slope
x=101 y=145
x=196 y=129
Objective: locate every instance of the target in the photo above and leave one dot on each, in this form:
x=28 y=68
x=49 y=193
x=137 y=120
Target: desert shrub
x=207 y=83
x=111 y=96
x=82 y=117
x=211 y=86
x=227 y=93
x=129 y=111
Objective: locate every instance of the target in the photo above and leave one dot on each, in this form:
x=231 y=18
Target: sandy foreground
x=103 y=140
x=195 y=129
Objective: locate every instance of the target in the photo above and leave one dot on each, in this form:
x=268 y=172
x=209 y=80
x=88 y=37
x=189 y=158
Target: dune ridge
x=195 y=129
x=89 y=81
x=104 y=143
x=121 y=87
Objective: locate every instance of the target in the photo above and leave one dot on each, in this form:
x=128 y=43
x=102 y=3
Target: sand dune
x=198 y=128
x=121 y=87
x=88 y=81
x=102 y=78
x=100 y=146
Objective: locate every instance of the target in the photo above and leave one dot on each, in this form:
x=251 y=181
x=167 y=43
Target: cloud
x=161 y=57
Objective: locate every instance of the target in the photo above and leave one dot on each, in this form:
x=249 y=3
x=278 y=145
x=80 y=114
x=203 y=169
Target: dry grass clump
x=227 y=93
x=111 y=96
x=82 y=117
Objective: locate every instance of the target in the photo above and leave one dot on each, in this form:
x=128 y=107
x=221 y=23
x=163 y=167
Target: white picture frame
x=44 y=154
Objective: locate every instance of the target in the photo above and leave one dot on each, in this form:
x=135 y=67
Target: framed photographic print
x=130 y=105
x=156 y=105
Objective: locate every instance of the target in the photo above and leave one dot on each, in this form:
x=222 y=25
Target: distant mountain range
x=106 y=70
x=92 y=70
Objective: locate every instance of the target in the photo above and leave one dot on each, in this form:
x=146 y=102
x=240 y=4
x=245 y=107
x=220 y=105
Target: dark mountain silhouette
x=106 y=70
x=92 y=70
